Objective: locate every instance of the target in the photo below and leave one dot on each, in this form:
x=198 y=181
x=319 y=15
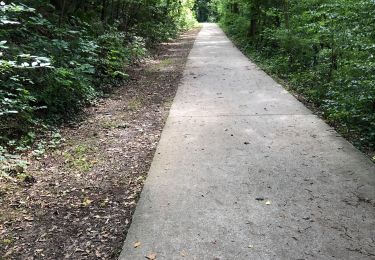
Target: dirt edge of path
x=80 y=198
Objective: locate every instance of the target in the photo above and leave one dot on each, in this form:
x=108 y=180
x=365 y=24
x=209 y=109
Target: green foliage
x=323 y=48
x=12 y=164
x=77 y=158
x=57 y=56
x=205 y=10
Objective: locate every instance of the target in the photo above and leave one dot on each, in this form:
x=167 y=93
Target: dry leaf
x=151 y=256
x=137 y=244
x=86 y=202
x=268 y=202
x=28 y=218
x=183 y=253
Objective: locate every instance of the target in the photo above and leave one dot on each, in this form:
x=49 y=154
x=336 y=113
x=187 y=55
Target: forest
x=58 y=56
x=324 y=50
x=86 y=87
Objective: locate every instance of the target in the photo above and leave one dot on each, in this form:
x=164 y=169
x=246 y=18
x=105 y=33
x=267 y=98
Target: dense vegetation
x=206 y=11
x=324 y=49
x=58 y=55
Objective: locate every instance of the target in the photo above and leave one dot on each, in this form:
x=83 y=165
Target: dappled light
x=187 y=129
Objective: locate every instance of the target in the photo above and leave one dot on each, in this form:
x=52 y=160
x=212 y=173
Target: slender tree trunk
x=118 y=9
x=62 y=13
x=254 y=18
x=112 y=10
x=286 y=13
x=104 y=10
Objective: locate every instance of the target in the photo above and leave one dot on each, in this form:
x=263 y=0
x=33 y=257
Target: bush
x=55 y=59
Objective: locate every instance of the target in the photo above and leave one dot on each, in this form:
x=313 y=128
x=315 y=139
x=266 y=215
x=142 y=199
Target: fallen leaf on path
x=183 y=253
x=268 y=202
x=151 y=256
x=137 y=244
x=28 y=219
x=86 y=202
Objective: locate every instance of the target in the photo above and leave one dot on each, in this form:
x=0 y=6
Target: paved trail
x=234 y=142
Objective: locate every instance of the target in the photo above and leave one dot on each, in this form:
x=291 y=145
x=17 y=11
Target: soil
x=77 y=201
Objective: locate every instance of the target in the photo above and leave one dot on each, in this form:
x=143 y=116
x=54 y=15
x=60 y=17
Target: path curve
x=244 y=171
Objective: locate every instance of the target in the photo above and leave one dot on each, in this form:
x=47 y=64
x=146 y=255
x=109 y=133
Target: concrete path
x=244 y=171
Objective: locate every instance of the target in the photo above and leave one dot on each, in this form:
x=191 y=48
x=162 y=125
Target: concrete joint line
x=260 y=115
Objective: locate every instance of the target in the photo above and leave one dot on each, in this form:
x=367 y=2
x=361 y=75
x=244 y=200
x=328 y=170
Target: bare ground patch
x=78 y=200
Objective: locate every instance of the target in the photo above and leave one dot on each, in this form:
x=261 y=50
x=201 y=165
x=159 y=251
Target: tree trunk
x=104 y=10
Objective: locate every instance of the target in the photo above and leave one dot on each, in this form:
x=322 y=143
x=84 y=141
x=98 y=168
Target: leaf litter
x=85 y=191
